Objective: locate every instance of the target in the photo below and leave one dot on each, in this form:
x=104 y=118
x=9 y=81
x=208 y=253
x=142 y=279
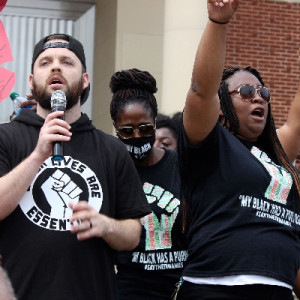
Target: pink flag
x=7 y=78
x=7 y=81
x=5 y=51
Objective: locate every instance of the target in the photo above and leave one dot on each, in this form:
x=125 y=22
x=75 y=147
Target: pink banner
x=7 y=81
x=5 y=51
x=7 y=78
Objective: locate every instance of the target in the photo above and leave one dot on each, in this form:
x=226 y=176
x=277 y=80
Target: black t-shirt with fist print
x=43 y=258
x=152 y=269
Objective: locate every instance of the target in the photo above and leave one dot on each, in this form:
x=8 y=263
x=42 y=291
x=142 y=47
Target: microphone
x=58 y=103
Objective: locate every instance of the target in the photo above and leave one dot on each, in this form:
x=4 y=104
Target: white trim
x=237 y=280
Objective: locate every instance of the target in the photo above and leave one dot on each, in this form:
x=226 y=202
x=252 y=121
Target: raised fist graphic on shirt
x=59 y=190
x=159 y=228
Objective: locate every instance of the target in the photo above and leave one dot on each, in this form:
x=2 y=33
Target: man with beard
x=61 y=221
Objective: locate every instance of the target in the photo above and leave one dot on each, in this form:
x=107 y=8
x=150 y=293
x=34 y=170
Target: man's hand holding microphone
x=55 y=130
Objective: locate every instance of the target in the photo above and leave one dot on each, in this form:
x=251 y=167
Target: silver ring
x=76 y=222
x=91 y=224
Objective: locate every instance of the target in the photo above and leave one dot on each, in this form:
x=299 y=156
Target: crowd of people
x=201 y=204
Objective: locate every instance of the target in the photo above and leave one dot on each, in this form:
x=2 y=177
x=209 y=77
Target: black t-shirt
x=242 y=206
x=43 y=259
x=152 y=269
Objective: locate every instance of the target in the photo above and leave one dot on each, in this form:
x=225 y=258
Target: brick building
x=266 y=35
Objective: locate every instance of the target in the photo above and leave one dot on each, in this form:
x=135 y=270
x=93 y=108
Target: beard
x=42 y=97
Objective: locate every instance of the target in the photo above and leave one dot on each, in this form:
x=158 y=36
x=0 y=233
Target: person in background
x=166 y=132
x=61 y=221
x=151 y=270
x=30 y=102
x=177 y=119
x=241 y=188
x=6 y=289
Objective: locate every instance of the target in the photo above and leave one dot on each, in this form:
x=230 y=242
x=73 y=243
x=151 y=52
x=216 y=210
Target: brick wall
x=266 y=35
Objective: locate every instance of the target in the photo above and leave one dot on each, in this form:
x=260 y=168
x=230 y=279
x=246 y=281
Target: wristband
x=218 y=22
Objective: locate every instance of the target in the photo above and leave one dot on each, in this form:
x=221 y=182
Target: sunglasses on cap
x=248 y=92
x=127 y=132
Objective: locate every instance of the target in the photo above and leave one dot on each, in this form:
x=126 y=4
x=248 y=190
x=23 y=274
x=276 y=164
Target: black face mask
x=139 y=148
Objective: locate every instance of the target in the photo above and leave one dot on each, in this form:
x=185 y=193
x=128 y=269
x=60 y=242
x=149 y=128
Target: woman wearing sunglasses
x=152 y=269
x=241 y=189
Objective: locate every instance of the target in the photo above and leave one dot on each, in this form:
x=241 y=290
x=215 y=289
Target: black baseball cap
x=72 y=44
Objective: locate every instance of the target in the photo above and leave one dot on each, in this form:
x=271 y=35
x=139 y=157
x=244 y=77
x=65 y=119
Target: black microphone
x=58 y=103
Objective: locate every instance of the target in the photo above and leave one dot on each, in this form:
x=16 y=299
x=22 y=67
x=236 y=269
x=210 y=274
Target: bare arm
x=10 y=192
x=202 y=107
x=289 y=133
x=118 y=234
x=123 y=234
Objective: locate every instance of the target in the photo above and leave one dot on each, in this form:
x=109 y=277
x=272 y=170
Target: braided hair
x=268 y=140
x=132 y=86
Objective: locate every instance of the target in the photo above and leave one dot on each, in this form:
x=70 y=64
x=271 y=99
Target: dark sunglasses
x=127 y=132
x=248 y=92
